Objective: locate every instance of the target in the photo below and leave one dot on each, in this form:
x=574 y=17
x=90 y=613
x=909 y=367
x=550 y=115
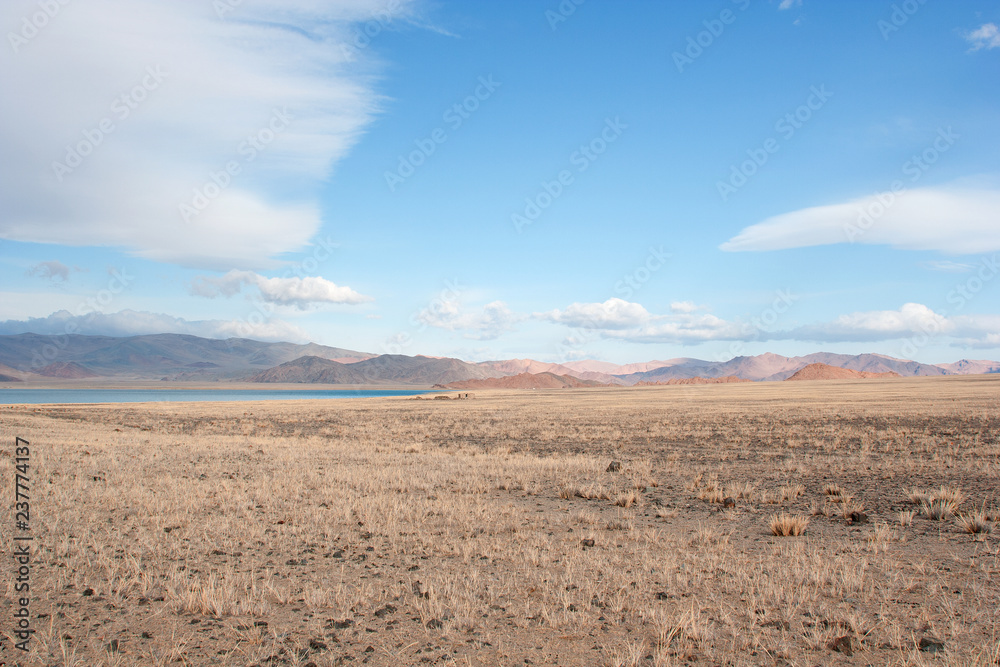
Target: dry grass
x=785 y=525
x=489 y=531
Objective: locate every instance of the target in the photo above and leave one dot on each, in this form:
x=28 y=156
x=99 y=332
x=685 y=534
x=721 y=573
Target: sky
x=550 y=179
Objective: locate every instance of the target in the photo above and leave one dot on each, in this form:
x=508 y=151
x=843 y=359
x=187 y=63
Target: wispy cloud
x=952 y=220
x=134 y=323
x=788 y=4
x=947 y=266
x=148 y=102
x=52 y=270
x=299 y=292
x=986 y=36
x=489 y=323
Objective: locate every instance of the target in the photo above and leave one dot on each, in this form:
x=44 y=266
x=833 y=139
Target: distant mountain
x=770 y=366
x=69 y=370
x=384 y=369
x=971 y=367
x=166 y=356
x=819 y=371
x=522 y=381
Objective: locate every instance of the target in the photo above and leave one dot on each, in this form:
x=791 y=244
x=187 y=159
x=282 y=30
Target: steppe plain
x=496 y=531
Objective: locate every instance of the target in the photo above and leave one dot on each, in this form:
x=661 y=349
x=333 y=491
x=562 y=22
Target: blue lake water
x=9 y=396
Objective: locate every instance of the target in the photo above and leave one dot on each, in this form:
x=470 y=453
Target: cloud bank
x=126 y=113
x=135 y=323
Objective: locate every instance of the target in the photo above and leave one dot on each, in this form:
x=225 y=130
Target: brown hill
x=826 y=372
x=67 y=370
x=523 y=381
x=695 y=380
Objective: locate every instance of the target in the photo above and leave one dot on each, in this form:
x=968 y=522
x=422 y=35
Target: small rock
x=931 y=645
x=434 y=623
x=858 y=517
x=316 y=645
x=385 y=611
x=614 y=466
x=88 y=592
x=663 y=595
x=341 y=625
x=146 y=635
x=842 y=645
x=587 y=543
x=729 y=503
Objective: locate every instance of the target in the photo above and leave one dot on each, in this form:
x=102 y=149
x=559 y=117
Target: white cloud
x=134 y=323
x=298 y=292
x=986 y=36
x=196 y=87
x=788 y=4
x=612 y=314
x=684 y=306
x=488 y=324
x=685 y=329
x=952 y=220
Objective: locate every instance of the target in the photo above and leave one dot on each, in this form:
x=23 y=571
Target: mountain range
x=177 y=357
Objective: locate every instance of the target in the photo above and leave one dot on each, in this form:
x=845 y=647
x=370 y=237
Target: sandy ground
x=495 y=531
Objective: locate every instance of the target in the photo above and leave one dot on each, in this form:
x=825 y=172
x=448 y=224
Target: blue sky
x=621 y=181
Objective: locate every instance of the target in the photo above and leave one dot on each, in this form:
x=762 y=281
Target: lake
x=35 y=395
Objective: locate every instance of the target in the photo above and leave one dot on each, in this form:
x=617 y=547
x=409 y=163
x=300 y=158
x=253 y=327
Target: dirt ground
x=557 y=527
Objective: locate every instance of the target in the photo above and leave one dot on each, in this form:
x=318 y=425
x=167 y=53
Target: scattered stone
x=88 y=592
x=842 y=645
x=587 y=543
x=146 y=635
x=931 y=645
x=385 y=611
x=729 y=503
x=858 y=517
x=614 y=466
x=343 y=625
x=316 y=645
x=663 y=595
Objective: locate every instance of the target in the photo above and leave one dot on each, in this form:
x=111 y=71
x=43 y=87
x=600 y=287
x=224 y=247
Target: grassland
x=492 y=532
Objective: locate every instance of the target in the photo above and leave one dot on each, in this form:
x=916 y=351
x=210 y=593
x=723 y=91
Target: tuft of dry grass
x=785 y=525
x=832 y=490
x=938 y=509
x=906 y=517
x=974 y=523
x=792 y=492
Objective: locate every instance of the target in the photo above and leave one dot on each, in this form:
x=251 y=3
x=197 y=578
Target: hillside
x=827 y=372
x=67 y=370
x=522 y=381
x=384 y=369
